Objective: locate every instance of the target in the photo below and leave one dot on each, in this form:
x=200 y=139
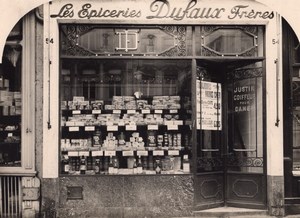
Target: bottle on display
x=150 y=163
x=157 y=166
x=134 y=166
x=111 y=166
x=83 y=164
x=144 y=163
x=77 y=164
x=97 y=166
x=97 y=138
x=89 y=163
x=116 y=165
x=186 y=164
x=139 y=166
x=65 y=167
x=105 y=165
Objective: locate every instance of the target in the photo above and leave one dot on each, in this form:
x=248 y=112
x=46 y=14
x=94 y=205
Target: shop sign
x=160 y=9
x=209 y=105
x=243 y=96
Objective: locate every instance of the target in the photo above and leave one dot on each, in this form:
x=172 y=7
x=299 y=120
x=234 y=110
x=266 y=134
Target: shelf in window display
x=69 y=112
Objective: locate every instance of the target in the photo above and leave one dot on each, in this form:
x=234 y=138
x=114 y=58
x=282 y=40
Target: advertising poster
x=209 y=105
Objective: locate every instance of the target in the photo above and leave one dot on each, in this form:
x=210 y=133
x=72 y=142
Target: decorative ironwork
x=245 y=73
x=71 y=33
x=179 y=48
x=204 y=162
x=207 y=52
x=249 y=30
x=245 y=161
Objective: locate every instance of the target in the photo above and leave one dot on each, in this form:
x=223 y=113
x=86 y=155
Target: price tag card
x=142 y=153
x=173 y=111
x=173 y=152
x=145 y=111
x=97 y=153
x=158 y=111
x=127 y=153
x=84 y=153
x=178 y=122
x=158 y=153
x=131 y=111
x=131 y=127
x=152 y=127
x=116 y=111
x=169 y=122
x=110 y=153
x=76 y=112
x=89 y=128
x=96 y=111
x=73 y=153
x=112 y=128
x=9 y=134
x=172 y=127
x=73 y=128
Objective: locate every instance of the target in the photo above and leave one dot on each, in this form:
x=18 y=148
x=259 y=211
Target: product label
x=116 y=111
x=73 y=153
x=84 y=153
x=173 y=111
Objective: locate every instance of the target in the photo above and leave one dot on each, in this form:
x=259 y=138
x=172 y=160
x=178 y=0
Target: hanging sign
x=209 y=105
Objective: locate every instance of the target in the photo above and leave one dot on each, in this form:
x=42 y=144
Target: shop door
x=230 y=167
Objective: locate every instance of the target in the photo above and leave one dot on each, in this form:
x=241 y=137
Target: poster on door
x=209 y=105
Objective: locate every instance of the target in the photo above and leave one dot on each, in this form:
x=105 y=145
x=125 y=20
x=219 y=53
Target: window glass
x=10 y=107
x=118 y=114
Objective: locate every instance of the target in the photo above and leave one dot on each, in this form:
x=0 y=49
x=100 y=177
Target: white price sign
x=131 y=127
x=73 y=153
x=127 y=153
x=142 y=153
x=152 y=127
x=110 y=153
x=74 y=129
x=145 y=111
x=116 y=111
x=89 y=128
x=76 y=112
x=158 y=153
x=172 y=127
x=173 y=111
x=96 y=111
x=84 y=153
x=131 y=111
x=173 y=152
x=112 y=128
x=158 y=111
x=97 y=153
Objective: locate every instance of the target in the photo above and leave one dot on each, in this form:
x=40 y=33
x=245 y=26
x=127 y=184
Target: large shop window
x=126 y=96
x=17 y=100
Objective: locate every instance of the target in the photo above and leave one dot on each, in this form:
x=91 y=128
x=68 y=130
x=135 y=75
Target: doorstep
x=227 y=212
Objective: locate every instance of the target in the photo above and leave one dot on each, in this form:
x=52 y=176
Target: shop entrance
x=230 y=135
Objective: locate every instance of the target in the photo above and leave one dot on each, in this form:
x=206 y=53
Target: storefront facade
x=156 y=108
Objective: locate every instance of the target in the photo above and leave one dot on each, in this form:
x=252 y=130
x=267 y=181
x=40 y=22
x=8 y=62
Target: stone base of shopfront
x=119 y=196
x=275 y=186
